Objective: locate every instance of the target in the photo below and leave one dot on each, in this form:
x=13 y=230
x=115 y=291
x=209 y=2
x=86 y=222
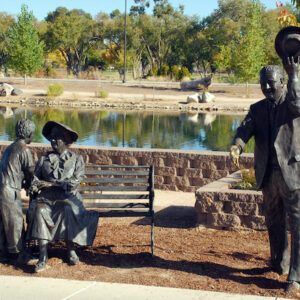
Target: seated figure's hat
x=51 y=124
x=287 y=42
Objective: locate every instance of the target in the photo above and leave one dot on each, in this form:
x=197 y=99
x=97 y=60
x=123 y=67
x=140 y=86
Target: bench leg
x=152 y=235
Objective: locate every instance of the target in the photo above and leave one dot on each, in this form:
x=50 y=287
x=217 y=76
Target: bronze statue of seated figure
x=56 y=211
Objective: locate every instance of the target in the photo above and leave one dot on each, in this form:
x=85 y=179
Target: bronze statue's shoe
x=292 y=285
x=40 y=266
x=25 y=258
x=281 y=270
x=73 y=258
x=4 y=257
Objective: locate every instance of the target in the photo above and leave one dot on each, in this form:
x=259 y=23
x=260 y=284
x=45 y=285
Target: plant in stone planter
x=248 y=181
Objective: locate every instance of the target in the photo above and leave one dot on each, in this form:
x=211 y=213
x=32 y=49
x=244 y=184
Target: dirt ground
x=148 y=90
x=192 y=258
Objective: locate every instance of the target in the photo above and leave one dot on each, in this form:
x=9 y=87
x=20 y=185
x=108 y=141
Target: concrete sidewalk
x=31 y=288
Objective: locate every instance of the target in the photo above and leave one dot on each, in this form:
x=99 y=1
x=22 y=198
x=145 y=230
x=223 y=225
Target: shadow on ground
x=172 y=217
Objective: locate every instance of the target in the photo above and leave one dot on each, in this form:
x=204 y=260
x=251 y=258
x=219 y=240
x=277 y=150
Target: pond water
x=132 y=129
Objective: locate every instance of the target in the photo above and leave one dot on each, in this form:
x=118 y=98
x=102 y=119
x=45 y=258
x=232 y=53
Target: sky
x=40 y=8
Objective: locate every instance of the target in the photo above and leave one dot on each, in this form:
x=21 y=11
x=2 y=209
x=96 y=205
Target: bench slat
x=113 y=188
x=123 y=213
x=114 y=196
x=116 y=205
x=117 y=173
x=116 y=166
x=115 y=180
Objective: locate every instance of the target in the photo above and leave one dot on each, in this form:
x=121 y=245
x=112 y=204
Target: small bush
x=50 y=71
x=248 y=180
x=184 y=72
x=103 y=94
x=55 y=90
x=175 y=72
x=153 y=71
x=164 y=69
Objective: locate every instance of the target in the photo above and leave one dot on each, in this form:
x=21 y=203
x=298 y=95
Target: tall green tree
x=25 y=50
x=249 y=50
x=6 y=21
x=296 y=2
x=140 y=7
x=73 y=33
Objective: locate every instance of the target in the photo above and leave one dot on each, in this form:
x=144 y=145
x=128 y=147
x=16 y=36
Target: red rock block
x=202 y=219
x=99 y=159
x=222 y=220
x=206 y=204
x=189 y=172
x=181 y=182
x=211 y=174
x=165 y=171
x=169 y=180
x=253 y=222
x=159 y=180
x=241 y=208
x=176 y=162
x=198 y=182
x=128 y=161
x=158 y=162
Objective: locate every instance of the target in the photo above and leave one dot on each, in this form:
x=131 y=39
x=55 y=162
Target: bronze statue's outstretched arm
x=291 y=66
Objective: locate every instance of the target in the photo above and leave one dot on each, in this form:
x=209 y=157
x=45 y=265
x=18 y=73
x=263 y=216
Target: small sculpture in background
x=7 y=90
x=198 y=84
x=16 y=170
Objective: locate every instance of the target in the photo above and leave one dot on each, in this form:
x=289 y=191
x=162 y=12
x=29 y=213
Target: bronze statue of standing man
x=16 y=171
x=275 y=124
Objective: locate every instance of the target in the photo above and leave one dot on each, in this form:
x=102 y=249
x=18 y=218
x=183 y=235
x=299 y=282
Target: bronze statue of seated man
x=56 y=211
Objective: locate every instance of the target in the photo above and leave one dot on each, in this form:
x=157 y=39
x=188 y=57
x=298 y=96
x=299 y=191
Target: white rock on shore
x=193 y=98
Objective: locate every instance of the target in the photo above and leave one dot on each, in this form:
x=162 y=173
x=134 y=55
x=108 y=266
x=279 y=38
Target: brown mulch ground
x=192 y=258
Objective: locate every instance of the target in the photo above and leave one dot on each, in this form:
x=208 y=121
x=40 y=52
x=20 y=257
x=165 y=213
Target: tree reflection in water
x=189 y=131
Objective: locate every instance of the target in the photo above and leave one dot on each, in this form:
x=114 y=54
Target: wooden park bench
x=120 y=191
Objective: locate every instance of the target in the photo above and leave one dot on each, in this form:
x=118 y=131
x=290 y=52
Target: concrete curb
x=31 y=288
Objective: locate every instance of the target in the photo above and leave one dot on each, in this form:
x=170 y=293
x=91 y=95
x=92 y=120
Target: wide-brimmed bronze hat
x=51 y=124
x=287 y=42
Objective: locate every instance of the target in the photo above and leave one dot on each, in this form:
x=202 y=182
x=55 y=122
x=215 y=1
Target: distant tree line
x=237 y=38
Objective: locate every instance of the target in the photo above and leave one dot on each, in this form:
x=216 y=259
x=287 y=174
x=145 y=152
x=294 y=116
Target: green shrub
x=248 y=181
x=50 y=71
x=184 y=72
x=55 y=90
x=103 y=94
x=164 y=69
x=153 y=71
x=175 y=72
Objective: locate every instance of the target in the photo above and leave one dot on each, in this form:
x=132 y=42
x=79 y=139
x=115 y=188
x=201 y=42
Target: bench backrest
x=116 y=190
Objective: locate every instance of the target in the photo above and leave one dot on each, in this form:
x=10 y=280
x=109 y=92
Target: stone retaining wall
x=174 y=169
x=219 y=207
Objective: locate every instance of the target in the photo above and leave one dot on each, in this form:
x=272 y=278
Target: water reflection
x=133 y=129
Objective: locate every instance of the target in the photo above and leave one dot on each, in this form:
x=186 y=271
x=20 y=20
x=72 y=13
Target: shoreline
x=130 y=103
x=132 y=96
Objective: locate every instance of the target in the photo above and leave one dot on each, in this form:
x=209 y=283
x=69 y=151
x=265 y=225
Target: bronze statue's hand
x=41 y=184
x=235 y=154
x=291 y=65
x=33 y=190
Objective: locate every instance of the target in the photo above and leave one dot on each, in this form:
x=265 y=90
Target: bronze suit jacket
x=286 y=130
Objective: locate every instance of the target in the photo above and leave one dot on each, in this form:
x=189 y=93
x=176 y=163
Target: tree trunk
x=247 y=89
x=25 y=80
